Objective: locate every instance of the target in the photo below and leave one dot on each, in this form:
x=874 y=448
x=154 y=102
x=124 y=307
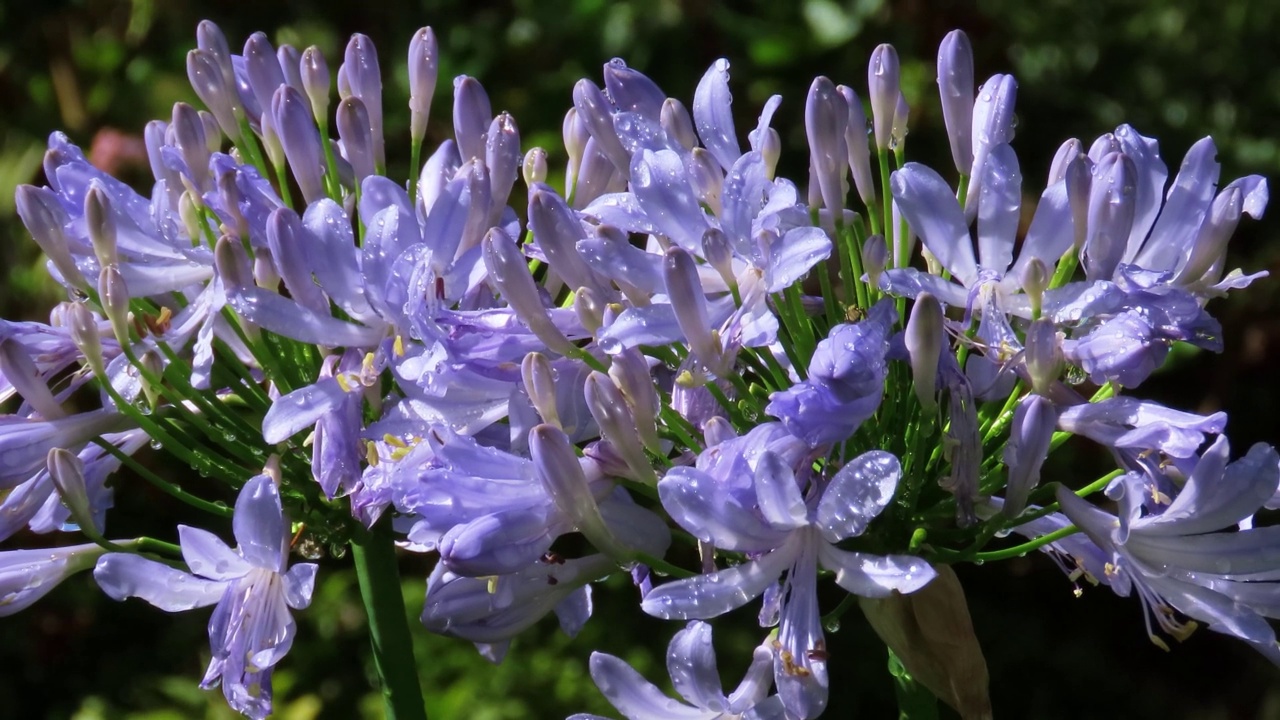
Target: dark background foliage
x=99 y=69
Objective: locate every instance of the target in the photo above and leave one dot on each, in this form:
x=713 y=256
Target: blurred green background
x=99 y=69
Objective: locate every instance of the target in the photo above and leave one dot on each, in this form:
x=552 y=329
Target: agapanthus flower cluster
x=673 y=363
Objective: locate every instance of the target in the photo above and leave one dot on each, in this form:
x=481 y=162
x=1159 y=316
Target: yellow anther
x=343 y=382
x=371 y=453
x=393 y=440
x=398 y=346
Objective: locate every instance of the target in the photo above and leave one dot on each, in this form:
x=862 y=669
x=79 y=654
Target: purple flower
x=691 y=662
x=1168 y=552
x=845 y=381
x=251 y=628
x=763 y=513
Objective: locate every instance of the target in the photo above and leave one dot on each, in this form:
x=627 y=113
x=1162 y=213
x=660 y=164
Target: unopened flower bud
x=718 y=429
x=632 y=91
x=357 y=140
x=84 y=333
x=630 y=372
x=424 y=69
x=17 y=367
x=955 y=86
x=67 y=472
x=1034 y=422
x=45 y=219
x=595 y=177
x=314 y=74
x=593 y=109
x=480 y=203
x=589 y=308
x=680 y=272
x=1111 y=213
x=883 y=84
x=115 y=301
x=290 y=59
x=558 y=231
x=1043 y=355
x=100 y=220
x=706 y=178
x=561 y=475
x=771 y=151
x=263 y=68
x=1106 y=144
x=534 y=167
x=231 y=196
x=1067 y=151
x=855 y=136
x=575 y=136
x=502 y=157
x=677 y=123
x=189 y=136
x=875 y=258
x=212 y=132
x=509 y=272
x=826 y=117
x=923 y=339
x=207 y=79
x=1035 y=280
x=232 y=263
x=617 y=425
x=365 y=80
x=901 y=115
x=719 y=254
x=301 y=141
x=992 y=126
x=1079 y=180
x=540 y=383
x=472 y=114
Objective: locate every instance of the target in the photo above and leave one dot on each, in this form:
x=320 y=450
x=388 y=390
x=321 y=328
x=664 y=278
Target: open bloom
x=251 y=628
x=691 y=660
x=761 y=512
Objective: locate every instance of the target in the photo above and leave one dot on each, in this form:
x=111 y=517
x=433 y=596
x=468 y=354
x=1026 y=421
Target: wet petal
x=929 y=205
x=875 y=575
x=706 y=596
x=691 y=661
x=124 y=576
x=857 y=494
x=259 y=524
x=208 y=556
x=635 y=697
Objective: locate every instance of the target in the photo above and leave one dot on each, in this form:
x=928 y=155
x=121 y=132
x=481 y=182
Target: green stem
x=374 y=554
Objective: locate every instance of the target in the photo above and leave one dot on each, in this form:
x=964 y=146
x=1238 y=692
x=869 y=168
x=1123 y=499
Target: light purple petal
x=714 y=514
x=299 y=583
x=929 y=205
x=691 y=661
x=662 y=188
x=1051 y=231
x=794 y=255
x=875 y=576
x=999 y=207
x=857 y=494
x=208 y=556
x=259 y=524
x=910 y=282
x=301 y=409
x=1218 y=495
x=621 y=210
x=635 y=697
x=122 y=576
x=334 y=258
x=706 y=596
x=779 y=495
x=1151 y=176
x=1185 y=208
x=285 y=317
x=712 y=115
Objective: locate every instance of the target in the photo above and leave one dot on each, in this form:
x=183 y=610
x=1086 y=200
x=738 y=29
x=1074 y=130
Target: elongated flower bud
x=290 y=59
x=1035 y=280
x=22 y=374
x=617 y=425
x=67 y=472
x=631 y=91
x=901 y=114
x=680 y=272
x=540 y=383
x=883 y=85
x=1034 y=422
x=115 y=301
x=595 y=112
x=28 y=575
x=472 y=114
x=534 y=167
x=301 y=141
x=923 y=339
x=100 y=220
x=502 y=157
x=705 y=177
x=508 y=271
x=189 y=136
x=826 y=117
x=717 y=430
x=589 y=308
x=313 y=71
x=208 y=81
x=357 y=140
x=211 y=39
x=855 y=137
x=1043 y=355
x=575 y=136
x=719 y=254
x=45 y=218
x=263 y=68
x=677 y=123
x=875 y=258
x=1079 y=179
x=84 y=333
x=424 y=68
x=480 y=202
x=558 y=231
x=630 y=372
x=1111 y=212
x=561 y=475
x=955 y=86
x=1066 y=152
x=365 y=80
x=992 y=127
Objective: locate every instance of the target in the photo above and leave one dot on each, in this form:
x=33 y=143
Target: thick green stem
x=374 y=554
